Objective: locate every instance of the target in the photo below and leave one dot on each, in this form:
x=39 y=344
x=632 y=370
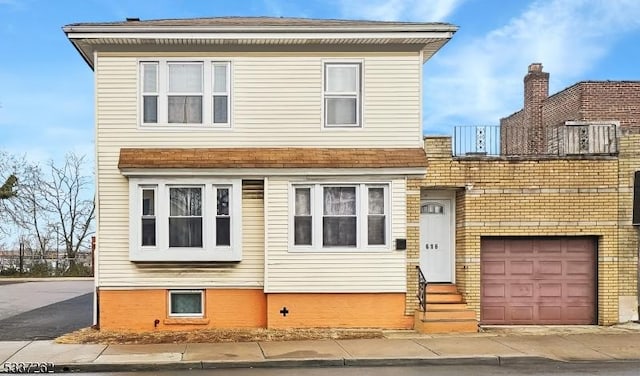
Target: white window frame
x=144 y=93
x=154 y=188
x=163 y=93
x=358 y=94
x=362 y=209
x=386 y=213
x=169 y=93
x=311 y=213
x=171 y=293
x=161 y=252
x=227 y=92
x=166 y=197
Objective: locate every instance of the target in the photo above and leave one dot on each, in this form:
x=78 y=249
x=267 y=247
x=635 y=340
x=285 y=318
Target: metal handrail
x=422 y=290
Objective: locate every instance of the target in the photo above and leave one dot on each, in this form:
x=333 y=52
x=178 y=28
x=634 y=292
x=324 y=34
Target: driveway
x=40 y=310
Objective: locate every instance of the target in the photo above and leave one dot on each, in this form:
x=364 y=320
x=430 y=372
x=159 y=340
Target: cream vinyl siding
x=337 y=271
x=116 y=270
x=275 y=101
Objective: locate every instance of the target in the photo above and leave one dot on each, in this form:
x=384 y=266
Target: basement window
x=186 y=303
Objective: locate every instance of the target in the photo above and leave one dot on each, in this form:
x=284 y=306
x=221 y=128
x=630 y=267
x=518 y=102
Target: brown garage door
x=538 y=280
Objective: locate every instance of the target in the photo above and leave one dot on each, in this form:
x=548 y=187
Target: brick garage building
x=534 y=129
x=542 y=233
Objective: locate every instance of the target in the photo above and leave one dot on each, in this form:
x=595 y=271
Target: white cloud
x=396 y=10
x=480 y=81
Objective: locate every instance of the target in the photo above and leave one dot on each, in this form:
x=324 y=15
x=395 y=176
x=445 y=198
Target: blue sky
x=46 y=89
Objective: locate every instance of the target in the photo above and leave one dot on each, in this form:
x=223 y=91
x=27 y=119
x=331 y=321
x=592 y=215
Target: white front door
x=436 y=254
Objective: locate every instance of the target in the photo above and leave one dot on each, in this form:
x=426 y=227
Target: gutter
x=261 y=29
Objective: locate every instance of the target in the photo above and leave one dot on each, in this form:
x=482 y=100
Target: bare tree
x=65 y=197
x=51 y=205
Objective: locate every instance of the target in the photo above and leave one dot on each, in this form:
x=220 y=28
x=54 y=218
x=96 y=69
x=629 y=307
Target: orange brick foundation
x=137 y=310
x=338 y=311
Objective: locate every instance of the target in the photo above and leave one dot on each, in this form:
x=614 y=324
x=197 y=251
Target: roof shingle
x=198 y=158
x=231 y=21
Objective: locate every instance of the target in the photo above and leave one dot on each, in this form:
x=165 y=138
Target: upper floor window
x=185 y=92
x=342 y=94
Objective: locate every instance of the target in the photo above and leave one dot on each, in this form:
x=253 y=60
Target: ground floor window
x=345 y=216
x=185 y=219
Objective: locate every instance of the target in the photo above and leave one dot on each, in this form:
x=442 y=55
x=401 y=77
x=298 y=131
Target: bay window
x=176 y=92
x=340 y=216
x=185 y=219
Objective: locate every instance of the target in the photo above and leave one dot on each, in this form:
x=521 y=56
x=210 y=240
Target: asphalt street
x=50 y=321
x=554 y=369
x=44 y=310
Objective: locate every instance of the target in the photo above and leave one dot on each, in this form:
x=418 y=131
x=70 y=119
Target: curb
x=45 y=279
x=293 y=363
x=126 y=367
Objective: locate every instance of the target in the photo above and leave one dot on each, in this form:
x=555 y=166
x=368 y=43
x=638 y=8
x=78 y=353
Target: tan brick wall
x=535 y=197
x=627 y=235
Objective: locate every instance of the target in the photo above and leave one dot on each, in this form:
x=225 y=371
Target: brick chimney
x=536 y=90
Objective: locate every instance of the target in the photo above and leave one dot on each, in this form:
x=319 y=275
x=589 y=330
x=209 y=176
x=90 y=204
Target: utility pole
x=57 y=248
x=21 y=254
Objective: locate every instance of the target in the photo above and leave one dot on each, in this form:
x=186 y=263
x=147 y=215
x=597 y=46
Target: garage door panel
x=550 y=268
x=493 y=313
x=494 y=267
x=580 y=245
x=521 y=313
x=550 y=290
x=581 y=268
x=521 y=267
x=579 y=290
x=494 y=290
x=548 y=245
x=538 y=280
x=548 y=313
x=519 y=290
x=494 y=246
x=579 y=313
x=523 y=247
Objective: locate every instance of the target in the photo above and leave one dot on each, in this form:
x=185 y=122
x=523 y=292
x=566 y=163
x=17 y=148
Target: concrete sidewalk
x=495 y=347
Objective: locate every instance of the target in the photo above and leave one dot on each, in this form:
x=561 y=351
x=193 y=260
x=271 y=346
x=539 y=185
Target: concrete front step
x=446 y=326
x=446 y=306
x=444 y=298
x=466 y=314
x=446 y=288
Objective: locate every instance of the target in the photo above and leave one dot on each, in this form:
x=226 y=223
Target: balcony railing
x=570 y=138
x=476 y=140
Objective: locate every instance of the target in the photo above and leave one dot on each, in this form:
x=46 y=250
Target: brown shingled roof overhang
x=201 y=158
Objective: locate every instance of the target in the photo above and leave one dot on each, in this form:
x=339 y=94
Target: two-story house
x=252 y=172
